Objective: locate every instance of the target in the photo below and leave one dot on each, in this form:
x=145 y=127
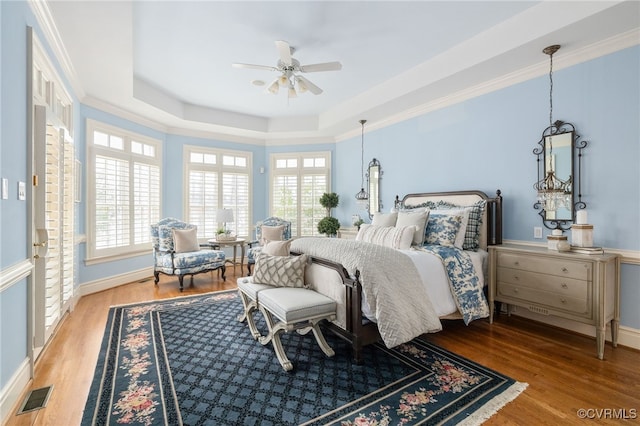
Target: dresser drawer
x=570 y=287
x=581 y=306
x=560 y=267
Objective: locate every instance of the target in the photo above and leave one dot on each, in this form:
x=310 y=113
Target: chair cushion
x=197 y=258
x=280 y=271
x=296 y=304
x=185 y=240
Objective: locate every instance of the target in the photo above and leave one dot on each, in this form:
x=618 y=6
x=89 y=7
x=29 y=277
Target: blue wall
x=14 y=19
x=487 y=143
x=484 y=143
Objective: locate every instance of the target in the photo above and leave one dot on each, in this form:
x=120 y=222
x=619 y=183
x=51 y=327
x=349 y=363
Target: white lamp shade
x=225 y=215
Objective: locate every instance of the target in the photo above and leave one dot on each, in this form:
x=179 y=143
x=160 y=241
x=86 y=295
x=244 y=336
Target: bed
x=392 y=294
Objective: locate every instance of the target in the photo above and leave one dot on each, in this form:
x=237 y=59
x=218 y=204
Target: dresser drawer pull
x=516 y=263
x=515 y=290
x=564 y=285
x=565 y=270
x=563 y=301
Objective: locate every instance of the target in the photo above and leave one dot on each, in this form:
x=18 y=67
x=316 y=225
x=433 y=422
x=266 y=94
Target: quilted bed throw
x=390 y=282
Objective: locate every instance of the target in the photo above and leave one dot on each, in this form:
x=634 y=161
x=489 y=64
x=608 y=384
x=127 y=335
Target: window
x=298 y=180
x=217 y=179
x=124 y=190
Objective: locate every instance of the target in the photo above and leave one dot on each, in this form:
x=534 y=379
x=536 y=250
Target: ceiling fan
x=289 y=69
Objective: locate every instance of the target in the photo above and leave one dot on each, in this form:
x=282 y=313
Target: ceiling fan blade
x=285 y=51
x=306 y=84
x=255 y=67
x=325 y=66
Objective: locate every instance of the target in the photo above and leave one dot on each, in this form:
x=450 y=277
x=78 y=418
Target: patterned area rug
x=189 y=361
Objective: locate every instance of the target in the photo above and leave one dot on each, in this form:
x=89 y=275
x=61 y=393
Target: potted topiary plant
x=329 y=200
x=329 y=226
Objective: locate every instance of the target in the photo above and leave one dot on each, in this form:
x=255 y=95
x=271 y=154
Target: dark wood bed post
x=494 y=217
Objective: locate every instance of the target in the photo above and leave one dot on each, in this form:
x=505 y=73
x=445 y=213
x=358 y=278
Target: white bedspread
x=390 y=281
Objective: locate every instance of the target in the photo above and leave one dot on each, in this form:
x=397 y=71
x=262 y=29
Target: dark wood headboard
x=491 y=233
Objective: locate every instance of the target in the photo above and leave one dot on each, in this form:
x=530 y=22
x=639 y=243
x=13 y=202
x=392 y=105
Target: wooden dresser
x=583 y=288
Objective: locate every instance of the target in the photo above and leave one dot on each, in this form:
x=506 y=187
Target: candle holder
x=582 y=235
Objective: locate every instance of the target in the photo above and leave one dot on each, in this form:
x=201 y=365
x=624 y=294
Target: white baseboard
x=114 y=281
x=627 y=336
x=11 y=393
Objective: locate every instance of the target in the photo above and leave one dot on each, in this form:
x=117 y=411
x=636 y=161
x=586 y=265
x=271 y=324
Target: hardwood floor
x=561 y=368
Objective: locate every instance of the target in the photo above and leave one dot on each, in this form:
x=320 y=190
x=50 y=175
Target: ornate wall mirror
x=559 y=175
x=374 y=174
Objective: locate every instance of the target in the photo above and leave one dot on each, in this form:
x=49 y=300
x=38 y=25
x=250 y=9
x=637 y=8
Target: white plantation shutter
x=124 y=190
x=285 y=199
x=53 y=218
x=203 y=202
x=218 y=179
x=146 y=199
x=235 y=195
x=112 y=202
x=68 y=223
x=298 y=180
x=313 y=186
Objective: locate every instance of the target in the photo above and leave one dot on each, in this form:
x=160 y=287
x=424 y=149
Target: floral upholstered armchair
x=271 y=229
x=176 y=251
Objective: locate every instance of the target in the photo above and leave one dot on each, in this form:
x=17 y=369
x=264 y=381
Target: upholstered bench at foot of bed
x=295 y=309
x=298 y=309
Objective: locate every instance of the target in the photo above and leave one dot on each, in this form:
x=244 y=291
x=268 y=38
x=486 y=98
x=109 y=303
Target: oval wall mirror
x=374 y=174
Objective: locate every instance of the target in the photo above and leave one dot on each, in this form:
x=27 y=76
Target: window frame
x=132 y=249
x=299 y=171
x=220 y=168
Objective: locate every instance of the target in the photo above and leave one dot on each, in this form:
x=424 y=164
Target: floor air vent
x=36 y=399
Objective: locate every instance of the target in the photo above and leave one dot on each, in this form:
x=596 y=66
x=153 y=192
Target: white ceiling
x=169 y=62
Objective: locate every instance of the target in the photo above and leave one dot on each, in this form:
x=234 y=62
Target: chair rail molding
x=14 y=273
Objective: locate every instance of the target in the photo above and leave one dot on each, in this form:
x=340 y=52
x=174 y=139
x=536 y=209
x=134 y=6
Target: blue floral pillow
x=474 y=224
x=442 y=229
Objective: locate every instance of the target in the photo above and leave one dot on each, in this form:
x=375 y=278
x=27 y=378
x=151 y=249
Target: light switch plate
x=5 y=188
x=22 y=191
x=537 y=232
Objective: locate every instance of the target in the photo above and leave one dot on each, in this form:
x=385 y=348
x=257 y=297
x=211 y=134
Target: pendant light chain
x=362 y=154
x=362 y=197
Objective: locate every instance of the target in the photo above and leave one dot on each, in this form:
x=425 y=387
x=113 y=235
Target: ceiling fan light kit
x=288 y=68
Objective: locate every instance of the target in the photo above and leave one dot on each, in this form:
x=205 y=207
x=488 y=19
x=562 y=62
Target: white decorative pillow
x=417 y=218
x=443 y=228
x=271 y=233
x=277 y=248
x=384 y=219
x=389 y=236
x=280 y=271
x=185 y=240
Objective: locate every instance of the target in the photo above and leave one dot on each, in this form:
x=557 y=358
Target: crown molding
x=275 y=134
x=50 y=31
x=593 y=51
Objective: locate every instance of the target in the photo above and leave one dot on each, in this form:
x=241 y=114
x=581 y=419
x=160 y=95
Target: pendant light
x=362 y=198
x=553 y=193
